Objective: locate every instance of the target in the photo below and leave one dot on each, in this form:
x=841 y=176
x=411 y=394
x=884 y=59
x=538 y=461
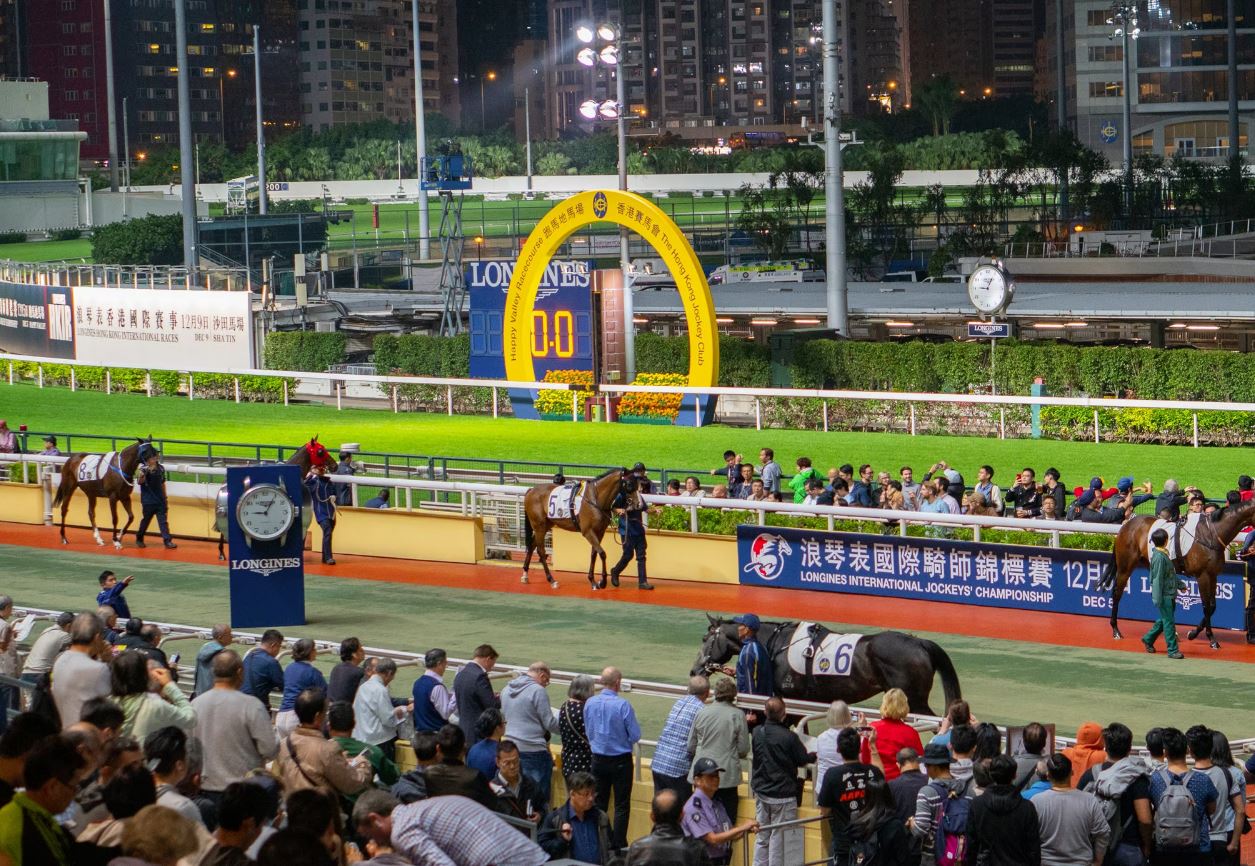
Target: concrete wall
x=23 y=100
x=110 y=207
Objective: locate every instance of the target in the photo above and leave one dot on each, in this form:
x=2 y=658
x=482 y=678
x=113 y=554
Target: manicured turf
x=1006 y=682
x=47 y=251
x=59 y=410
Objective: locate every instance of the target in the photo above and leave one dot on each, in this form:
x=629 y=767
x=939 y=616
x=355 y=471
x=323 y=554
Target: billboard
x=964 y=572
x=163 y=328
x=36 y=320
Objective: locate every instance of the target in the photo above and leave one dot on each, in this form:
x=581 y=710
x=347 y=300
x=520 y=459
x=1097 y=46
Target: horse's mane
x=608 y=473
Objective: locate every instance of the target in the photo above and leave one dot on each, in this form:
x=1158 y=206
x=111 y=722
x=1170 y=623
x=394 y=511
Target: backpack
x=1176 y=818
x=865 y=851
x=1112 y=813
x=41 y=701
x=950 y=847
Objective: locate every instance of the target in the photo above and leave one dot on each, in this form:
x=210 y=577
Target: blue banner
x=267 y=577
x=964 y=572
x=37 y=320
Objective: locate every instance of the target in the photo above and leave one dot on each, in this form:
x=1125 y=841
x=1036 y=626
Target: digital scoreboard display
x=562 y=322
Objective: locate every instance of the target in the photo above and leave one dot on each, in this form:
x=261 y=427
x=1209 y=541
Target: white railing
x=606 y=391
x=470 y=493
x=171 y=277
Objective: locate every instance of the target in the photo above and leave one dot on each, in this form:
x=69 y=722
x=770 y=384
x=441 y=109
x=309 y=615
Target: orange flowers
x=654 y=405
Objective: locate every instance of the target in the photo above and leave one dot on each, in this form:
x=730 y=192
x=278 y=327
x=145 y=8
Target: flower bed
x=557 y=404
x=638 y=408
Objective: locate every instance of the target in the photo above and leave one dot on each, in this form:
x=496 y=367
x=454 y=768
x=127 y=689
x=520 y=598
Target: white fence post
x=448 y=396
x=1002 y=423
x=148 y=383
x=10 y=372
x=236 y=382
x=1095 y=426
x=339 y=397
x=41 y=375
x=912 y=419
x=73 y=380
x=758 y=414
x=1195 y=429
x=395 y=408
x=692 y=518
x=190 y=387
x=575 y=412
x=697 y=411
x=108 y=381
x=976 y=534
x=825 y=416
x=285 y=392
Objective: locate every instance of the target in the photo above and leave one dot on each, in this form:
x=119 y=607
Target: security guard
x=631 y=508
x=151 y=479
x=323 y=494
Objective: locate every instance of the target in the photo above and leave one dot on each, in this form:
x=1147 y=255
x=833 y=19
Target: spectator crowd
x=120 y=756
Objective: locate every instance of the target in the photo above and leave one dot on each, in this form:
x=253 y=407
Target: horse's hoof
x=523 y=578
x=1215 y=645
x=553 y=584
x=594 y=587
x=117 y=545
x=65 y=541
x=1115 y=634
x=1191 y=634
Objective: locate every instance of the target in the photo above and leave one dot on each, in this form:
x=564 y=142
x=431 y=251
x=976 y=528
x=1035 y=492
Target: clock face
x=265 y=512
x=988 y=289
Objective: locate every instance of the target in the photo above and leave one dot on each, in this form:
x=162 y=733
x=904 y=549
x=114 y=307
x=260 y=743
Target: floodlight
x=588 y=109
x=584 y=33
x=607 y=32
x=609 y=109
x=586 y=56
x=610 y=55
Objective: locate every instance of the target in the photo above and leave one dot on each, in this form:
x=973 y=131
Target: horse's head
x=143 y=449
x=718 y=646
x=318 y=454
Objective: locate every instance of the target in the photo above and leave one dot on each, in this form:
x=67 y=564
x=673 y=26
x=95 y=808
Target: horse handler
x=151 y=479
x=323 y=494
x=631 y=509
x=1164 y=586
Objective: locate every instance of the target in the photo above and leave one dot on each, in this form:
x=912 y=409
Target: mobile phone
x=174 y=659
x=864 y=729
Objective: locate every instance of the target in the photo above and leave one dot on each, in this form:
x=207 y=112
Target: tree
x=938 y=99
x=774 y=212
x=885 y=225
x=553 y=163
x=150 y=240
x=371 y=159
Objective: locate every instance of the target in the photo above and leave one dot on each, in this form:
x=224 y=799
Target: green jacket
x=1164 y=582
x=799 y=481
x=384 y=768
x=31 y=836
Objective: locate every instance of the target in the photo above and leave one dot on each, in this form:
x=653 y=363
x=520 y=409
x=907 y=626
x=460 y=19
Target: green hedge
x=742 y=363
x=253 y=389
x=437 y=357
x=719 y=522
x=304 y=350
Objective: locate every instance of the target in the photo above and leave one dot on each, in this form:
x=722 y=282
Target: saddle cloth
x=95 y=466
x=1180 y=536
x=834 y=656
x=565 y=501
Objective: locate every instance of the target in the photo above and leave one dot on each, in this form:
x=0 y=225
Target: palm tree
x=938 y=98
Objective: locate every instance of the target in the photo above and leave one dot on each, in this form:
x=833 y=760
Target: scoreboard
x=562 y=323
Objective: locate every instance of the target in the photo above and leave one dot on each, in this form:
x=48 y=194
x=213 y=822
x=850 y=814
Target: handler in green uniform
x=1164 y=586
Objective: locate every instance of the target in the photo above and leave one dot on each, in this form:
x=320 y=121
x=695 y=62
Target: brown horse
x=117 y=483
x=595 y=498
x=1203 y=562
x=312 y=453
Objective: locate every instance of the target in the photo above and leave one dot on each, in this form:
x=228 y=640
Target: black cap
x=936 y=755
x=52 y=440
x=639 y=467
x=705 y=767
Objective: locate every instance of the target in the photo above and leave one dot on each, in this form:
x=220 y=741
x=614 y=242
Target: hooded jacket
x=1003 y=829
x=529 y=720
x=1088 y=751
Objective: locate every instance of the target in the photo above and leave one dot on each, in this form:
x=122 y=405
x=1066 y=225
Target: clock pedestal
x=267 y=577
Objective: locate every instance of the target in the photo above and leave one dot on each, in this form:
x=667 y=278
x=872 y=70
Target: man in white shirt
x=80 y=673
x=377 y=718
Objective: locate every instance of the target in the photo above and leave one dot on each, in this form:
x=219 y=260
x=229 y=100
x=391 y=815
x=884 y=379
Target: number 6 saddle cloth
x=1180 y=535
x=829 y=654
x=564 y=502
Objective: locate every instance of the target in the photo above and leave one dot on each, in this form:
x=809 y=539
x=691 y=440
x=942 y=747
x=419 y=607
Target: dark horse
x=117 y=484
x=1203 y=562
x=312 y=453
x=596 y=497
x=890 y=659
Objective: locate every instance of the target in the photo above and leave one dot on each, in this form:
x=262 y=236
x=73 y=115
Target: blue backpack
x=950 y=825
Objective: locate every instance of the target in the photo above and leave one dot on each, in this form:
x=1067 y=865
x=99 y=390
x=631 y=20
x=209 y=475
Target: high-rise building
x=1015 y=28
x=11 y=59
x=879 y=41
x=65 y=46
x=699 y=63
x=953 y=40
x=1179 y=78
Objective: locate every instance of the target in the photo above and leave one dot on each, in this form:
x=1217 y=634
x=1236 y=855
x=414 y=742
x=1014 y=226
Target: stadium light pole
x=834 y=202
x=191 y=254
x=1061 y=110
x=1124 y=24
x=261 y=127
x=111 y=113
x=420 y=140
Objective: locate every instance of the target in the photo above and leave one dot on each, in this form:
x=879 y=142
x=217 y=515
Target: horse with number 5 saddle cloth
x=582 y=507
x=813 y=663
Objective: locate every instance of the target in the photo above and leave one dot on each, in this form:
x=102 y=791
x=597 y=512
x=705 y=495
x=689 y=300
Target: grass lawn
x=57 y=409
x=47 y=251
x=1070 y=685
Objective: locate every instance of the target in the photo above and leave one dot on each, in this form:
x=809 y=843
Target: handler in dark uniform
x=630 y=508
x=151 y=478
x=323 y=494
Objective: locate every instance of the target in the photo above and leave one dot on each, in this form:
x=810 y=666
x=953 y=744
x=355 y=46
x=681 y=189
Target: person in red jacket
x=894 y=734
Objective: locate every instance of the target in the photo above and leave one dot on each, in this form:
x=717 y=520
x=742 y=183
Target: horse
x=312 y=453
x=889 y=659
x=595 y=497
x=117 y=484
x=1203 y=562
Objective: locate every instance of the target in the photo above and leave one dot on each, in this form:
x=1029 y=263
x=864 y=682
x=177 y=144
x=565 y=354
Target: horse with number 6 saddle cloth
x=815 y=651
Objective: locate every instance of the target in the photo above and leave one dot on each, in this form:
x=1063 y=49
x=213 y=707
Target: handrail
x=833 y=512
x=780 y=825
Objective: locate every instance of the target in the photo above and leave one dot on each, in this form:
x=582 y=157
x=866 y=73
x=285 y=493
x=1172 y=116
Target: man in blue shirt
x=861 y=490
x=579 y=828
x=1203 y=792
x=262 y=672
x=754 y=673
x=672 y=757
x=706 y=818
x=612 y=729
x=323 y=495
x=110 y=594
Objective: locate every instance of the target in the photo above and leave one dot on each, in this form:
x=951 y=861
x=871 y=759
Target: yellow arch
x=639 y=215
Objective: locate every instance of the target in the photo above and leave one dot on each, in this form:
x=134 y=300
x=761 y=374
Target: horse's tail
x=528 y=532
x=1108 y=580
x=63 y=488
x=945 y=667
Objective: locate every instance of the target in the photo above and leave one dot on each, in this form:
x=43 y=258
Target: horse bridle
x=587 y=497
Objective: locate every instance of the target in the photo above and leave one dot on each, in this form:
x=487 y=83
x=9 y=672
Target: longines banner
x=36 y=320
x=964 y=572
x=163 y=328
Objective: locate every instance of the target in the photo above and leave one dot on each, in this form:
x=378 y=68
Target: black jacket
x=473 y=693
x=1168 y=505
x=667 y=846
x=412 y=786
x=1003 y=829
x=550 y=836
x=778 y=753
x=457 y=778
